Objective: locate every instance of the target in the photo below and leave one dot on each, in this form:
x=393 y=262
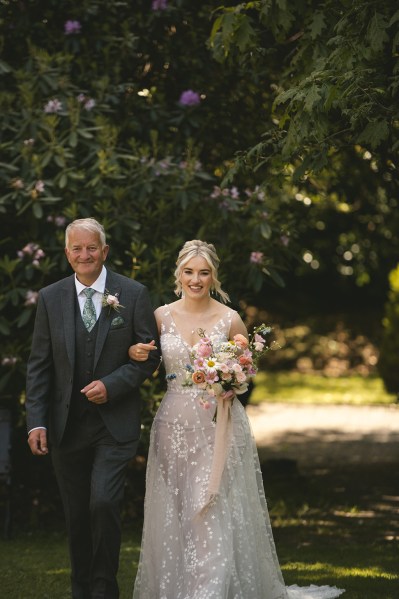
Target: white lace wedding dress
x=228 y=552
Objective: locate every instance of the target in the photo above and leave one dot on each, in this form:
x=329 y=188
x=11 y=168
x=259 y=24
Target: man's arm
x=130 y=375
x=38 y=382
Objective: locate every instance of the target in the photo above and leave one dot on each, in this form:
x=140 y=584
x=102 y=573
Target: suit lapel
x=106 y=316
x=68 y=299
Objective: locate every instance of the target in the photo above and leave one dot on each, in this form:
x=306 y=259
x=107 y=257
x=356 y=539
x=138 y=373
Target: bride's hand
x=140 y=351
x=227 y=395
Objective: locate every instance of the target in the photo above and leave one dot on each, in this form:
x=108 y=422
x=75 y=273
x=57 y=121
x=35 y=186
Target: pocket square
x=117 y=322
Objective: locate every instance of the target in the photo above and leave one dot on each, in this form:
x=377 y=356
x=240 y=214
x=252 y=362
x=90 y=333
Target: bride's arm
x=237 y=326
x=140 y=351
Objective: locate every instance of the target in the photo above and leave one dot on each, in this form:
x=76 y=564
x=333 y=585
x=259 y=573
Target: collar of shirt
x=98 y=285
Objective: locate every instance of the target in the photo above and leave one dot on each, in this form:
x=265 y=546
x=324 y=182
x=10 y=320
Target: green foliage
x=388 y=364
x=333 y=128
x=92 y=125
x=340 y=71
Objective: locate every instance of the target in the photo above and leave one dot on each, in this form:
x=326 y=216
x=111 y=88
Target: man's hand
x=95 y=392
x=140 y=351
x=38 y=441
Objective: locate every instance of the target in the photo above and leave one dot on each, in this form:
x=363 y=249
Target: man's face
x=85 y=255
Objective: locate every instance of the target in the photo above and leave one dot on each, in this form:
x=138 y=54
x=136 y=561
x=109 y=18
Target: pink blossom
x=256 y=257
x=199 y=363
x=60 y=221
x=235 y=194
x=159 y=5
x=39 y=186
x=29 y=142
x=31 y=298
x=9 y=361
x=204 y=350
x=216 y=192
x=211 y=377
x=89 y=104
x=226 y=377
x=71 y=27
x=285 y=240
x=17 y=184
x=39 y=254
x=30 y=248
x=241 y=377
x=53 y=106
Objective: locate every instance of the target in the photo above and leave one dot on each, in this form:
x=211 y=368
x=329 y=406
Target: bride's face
x=196 y=278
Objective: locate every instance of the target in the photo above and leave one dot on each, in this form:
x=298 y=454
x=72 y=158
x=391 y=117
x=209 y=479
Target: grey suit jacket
x=52 y=359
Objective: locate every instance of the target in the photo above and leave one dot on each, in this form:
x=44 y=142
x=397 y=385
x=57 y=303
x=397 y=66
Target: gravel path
x=317 y=436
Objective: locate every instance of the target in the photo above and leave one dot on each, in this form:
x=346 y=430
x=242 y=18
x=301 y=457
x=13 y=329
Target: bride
x=193 y=548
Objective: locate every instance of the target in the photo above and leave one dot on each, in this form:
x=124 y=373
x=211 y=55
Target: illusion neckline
x=178 y=334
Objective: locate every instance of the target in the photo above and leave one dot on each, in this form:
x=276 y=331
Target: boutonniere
x=111 y=301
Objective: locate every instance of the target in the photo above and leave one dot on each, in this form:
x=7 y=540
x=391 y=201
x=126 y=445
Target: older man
x=83 y=397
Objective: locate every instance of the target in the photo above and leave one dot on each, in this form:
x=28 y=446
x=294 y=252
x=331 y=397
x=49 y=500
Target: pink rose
x=204 y=350
x=241 y=377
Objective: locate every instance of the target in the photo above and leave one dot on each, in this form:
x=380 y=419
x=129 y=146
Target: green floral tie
x=89 y=312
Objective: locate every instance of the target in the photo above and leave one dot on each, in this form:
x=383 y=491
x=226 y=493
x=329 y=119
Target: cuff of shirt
x=36 y=428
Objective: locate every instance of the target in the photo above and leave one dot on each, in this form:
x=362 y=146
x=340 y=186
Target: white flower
x=111 y=301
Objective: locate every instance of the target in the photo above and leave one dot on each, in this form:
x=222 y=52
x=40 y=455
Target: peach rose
x=240 y=341
x=245 y=360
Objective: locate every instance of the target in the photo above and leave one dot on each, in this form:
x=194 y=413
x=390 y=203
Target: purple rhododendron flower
x=71 y=27
x=159 y=4
x=256 y=257
x=189 y=98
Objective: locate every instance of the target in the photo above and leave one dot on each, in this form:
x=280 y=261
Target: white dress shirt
x=98 y=286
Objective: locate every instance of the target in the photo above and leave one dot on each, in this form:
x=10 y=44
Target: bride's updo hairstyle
x=192 y=249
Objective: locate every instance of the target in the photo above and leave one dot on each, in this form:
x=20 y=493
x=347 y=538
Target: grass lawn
x=336 y=526
x=330 y=527
x=294 y=387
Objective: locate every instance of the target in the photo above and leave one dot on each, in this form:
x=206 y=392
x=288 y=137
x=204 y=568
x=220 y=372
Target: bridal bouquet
x=221 y=366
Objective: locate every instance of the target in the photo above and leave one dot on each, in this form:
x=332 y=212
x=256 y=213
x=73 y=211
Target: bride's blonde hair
x=192 y=249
